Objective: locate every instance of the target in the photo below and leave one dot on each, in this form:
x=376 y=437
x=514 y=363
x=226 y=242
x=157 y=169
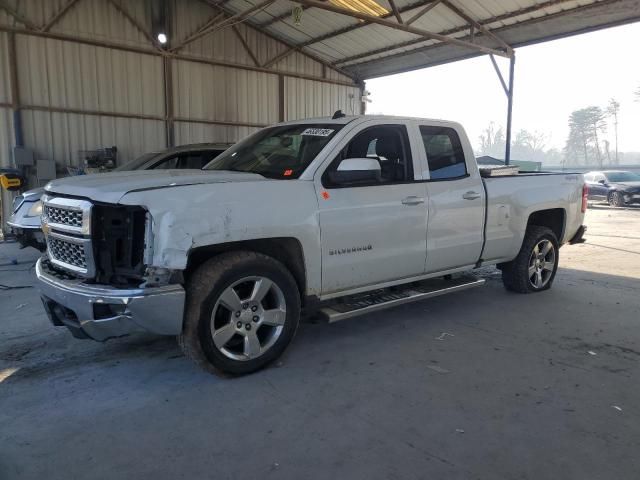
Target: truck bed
x=512 y=199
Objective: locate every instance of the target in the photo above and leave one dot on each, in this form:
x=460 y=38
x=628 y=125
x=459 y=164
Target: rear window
x=444 y=153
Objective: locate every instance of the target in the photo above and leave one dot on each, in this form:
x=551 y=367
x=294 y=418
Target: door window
x=445 y=155
x=388 y=145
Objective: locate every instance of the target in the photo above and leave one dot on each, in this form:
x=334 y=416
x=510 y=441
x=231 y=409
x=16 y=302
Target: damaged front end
x=97 y=280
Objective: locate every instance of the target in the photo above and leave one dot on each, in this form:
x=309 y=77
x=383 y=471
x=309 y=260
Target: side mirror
x=356 y=170
x=602 y=182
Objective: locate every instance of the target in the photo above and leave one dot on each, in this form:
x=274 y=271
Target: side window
x=588 y=178
x=191 y=160
x=444 y=153
x=388 y=145
x=166 y=164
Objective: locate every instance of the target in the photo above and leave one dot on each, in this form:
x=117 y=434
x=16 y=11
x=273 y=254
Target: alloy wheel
x=542 y=263
x=248 y=318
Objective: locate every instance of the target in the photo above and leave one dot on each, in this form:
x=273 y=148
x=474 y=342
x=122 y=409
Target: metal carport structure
x=366 y=40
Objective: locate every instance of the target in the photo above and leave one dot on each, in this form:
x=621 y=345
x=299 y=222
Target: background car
x=27 y=207
x=617 y=187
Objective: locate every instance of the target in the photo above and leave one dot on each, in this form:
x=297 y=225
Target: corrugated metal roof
x=368 y=50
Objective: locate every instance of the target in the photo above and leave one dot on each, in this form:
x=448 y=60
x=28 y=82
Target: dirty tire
x=204 y=289
x=515 y=274
x=616 y=200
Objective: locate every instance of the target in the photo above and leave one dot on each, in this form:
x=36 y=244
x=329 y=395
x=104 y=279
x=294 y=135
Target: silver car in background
x=27 y=207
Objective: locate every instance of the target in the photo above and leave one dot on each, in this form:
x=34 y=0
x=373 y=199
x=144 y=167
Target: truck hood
x=111 y=187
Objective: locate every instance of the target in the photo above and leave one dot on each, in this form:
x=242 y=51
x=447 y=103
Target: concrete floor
x=529 y=387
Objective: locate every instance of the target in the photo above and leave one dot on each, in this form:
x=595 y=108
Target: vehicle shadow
x=57 y=353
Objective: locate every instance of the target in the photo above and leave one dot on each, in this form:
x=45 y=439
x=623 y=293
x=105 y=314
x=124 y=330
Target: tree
x=492 y=141
x=612 y=110
x=529 y=146
x=583 y=142
x=637 y=94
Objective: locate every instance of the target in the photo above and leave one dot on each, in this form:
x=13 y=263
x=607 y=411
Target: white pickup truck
x=339 y=216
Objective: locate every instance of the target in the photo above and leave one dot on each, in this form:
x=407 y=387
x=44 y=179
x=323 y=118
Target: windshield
x=279 y=152
x=617 y=177
x=137 y=163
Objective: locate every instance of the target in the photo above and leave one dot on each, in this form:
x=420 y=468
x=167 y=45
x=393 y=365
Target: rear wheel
x=242 y=311
x=534 y=269
x=616 y=199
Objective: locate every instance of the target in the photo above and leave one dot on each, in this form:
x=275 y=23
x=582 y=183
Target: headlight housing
x=17 y=203
x=35 y=210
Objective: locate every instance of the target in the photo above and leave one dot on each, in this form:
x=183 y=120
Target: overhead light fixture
x=162 y=38
x=368 y=7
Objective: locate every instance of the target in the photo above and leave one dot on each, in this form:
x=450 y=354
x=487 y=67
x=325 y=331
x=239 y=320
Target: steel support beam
x=132 y=20
x=423 y=12
x=452 y=31
x=475 y=24
x=297 y=47
x=246 y=46
x=499 y=73
x=280 y=56
x=281 y=99
x=405 y=28
x=134 y=116
x=395 y=11
x=154 y=52
x=15 y=14
x=58 y=16
x=15 y=90
x=231 y=20
x=507 y=150
x=167 y=73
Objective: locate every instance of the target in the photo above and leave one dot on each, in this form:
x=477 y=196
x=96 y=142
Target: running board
x=354 y=305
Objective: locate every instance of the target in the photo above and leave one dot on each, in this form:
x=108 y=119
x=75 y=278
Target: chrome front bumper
x=101 y=311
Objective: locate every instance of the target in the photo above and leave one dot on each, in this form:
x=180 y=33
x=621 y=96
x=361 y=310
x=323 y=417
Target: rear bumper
x=101 y=312
x=579 y=236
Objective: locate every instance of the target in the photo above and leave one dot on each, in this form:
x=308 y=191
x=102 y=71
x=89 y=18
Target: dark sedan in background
x=25 y=219
x=617 y=187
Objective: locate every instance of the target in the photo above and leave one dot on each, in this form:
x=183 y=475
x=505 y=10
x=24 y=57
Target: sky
x=551 y=80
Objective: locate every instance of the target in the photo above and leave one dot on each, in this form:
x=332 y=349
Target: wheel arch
x=552 y=218
x=287 y=250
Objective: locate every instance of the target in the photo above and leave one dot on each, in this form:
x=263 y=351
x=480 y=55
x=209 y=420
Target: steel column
x=168 y=101
x=281 y=98
x=507 y=151
x=15 y=91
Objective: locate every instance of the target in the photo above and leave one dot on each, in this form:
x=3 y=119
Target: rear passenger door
x=375 y=231
x=456 y=201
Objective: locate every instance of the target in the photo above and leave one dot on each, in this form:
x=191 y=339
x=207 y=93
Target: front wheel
x=616 y=199
x=242 y=311
x=534 y=269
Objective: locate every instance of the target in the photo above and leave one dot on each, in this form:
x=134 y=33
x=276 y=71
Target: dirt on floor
x=481 y=384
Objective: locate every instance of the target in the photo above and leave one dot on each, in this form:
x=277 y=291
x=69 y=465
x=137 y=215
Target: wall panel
x=60 y=136
x=70 y=75
x=188 y=132
x=307 y=98
x=225 y=94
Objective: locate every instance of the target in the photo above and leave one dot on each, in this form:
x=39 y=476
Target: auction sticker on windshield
x=318 y=132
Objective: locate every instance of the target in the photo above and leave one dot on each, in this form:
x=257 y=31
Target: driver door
x=373 y=232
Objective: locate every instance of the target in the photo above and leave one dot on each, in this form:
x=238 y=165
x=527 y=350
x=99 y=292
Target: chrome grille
x=67 y=226
x=67 y=252
x=63 y=216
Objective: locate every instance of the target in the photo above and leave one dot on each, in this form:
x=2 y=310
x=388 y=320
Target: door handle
x=412 y=200
x=471 y=195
